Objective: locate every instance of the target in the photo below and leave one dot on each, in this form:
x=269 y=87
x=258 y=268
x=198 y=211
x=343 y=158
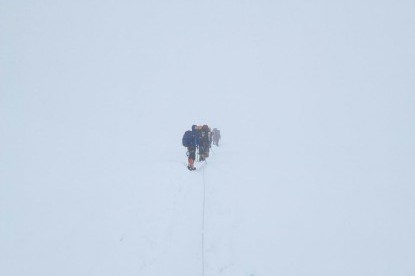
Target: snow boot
x=191 y=165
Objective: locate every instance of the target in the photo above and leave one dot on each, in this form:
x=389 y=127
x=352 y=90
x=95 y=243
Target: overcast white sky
x=315 y=101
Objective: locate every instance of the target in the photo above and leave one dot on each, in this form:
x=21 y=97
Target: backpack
x=188 y=139
x=205 y=134
x=205 y=128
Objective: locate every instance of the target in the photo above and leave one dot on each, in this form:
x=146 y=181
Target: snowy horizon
x=314 y=174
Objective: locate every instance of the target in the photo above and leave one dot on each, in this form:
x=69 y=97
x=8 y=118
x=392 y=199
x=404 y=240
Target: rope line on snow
x=203 y=223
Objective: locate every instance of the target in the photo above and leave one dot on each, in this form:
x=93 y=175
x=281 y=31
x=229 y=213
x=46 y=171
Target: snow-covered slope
x=314 y=175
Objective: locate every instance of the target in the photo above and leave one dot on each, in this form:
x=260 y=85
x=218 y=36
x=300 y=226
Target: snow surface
x=316 y=106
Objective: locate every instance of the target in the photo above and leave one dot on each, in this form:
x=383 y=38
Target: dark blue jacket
x=190 y=138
